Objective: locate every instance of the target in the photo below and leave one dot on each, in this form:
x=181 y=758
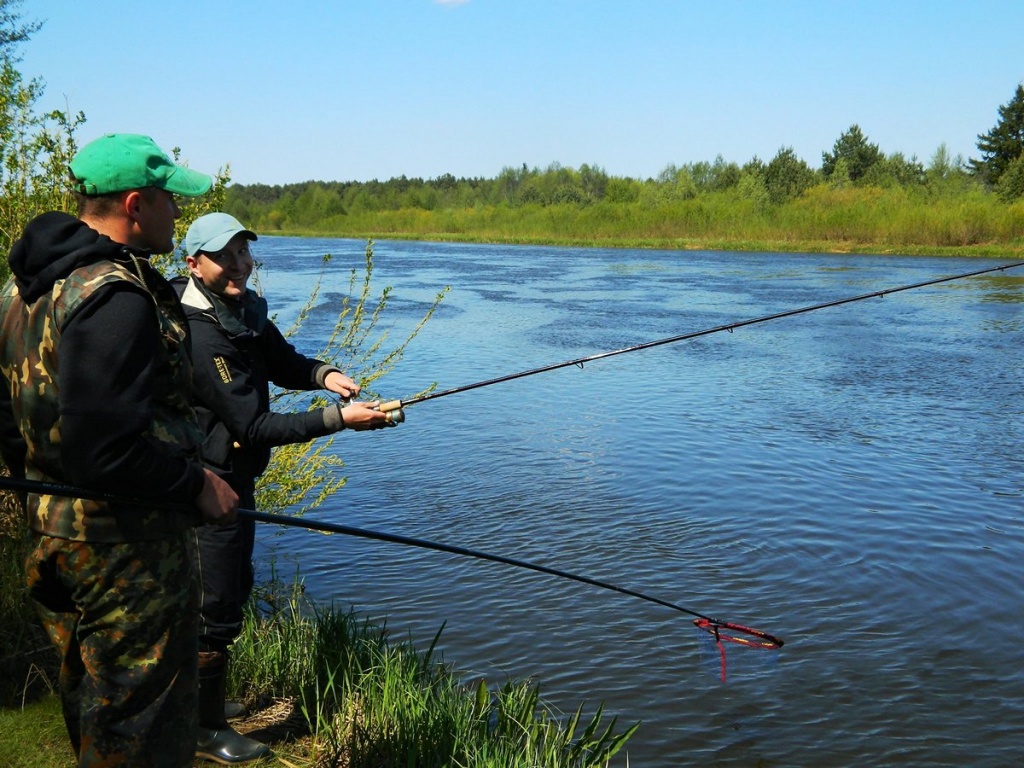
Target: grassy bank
x=327 y=688
x=825 y=219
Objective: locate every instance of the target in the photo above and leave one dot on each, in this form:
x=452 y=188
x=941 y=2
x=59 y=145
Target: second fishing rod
x=395 y=408
x=739 y=633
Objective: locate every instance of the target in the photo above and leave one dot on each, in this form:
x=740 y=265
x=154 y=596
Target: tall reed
x=824 y=218
x=370 y=701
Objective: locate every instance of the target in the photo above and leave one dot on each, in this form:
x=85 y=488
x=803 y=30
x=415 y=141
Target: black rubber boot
x=217 y=740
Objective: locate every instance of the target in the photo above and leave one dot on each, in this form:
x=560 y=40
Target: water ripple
x=847 y=479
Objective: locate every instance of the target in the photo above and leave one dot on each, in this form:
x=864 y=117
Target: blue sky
x=361 y=89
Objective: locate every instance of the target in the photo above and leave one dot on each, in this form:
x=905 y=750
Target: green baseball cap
x=121 y=161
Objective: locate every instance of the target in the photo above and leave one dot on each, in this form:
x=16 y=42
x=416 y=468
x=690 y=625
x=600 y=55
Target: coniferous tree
x=1011 y=184
x=1004 y=143
x=858 y=153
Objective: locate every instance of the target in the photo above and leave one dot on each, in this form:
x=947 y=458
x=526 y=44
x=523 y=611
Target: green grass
x=370 y=701
x=34 y=737
x=356 y=698
x=824 y=219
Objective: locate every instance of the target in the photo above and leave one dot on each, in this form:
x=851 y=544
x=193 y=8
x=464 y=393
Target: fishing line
x=395 y=407
x=706 y=623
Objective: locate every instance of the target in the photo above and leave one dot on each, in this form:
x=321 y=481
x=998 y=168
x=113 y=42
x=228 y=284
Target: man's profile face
x=156 y=214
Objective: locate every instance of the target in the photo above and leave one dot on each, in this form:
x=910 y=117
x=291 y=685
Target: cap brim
x=220 y=241
x=185 y=181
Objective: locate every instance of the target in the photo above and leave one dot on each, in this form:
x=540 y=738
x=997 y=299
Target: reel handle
x=394 y=410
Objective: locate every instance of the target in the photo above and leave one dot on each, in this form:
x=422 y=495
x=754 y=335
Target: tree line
x=853 y=195
x=853 y=161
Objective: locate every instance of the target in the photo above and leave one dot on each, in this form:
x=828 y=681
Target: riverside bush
x=938 y=218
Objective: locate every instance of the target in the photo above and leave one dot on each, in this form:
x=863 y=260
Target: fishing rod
x=753 y=637
x=395 y=407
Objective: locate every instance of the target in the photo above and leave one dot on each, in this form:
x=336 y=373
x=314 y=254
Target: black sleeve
x=288 y=368
x=224 y=384
x=107 y=358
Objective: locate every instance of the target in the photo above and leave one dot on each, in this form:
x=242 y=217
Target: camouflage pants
x=124 y=620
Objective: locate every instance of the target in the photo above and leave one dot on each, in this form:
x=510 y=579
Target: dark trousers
x=224 y=565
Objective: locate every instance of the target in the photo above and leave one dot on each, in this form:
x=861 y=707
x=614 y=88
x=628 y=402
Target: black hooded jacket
x=106 y=359
x=237 y=351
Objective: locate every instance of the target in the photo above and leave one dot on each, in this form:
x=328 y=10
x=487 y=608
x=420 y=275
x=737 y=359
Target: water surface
x=847 y=479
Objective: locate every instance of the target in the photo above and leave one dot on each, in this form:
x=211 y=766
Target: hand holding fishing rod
x=360 y=416
x=349 y=413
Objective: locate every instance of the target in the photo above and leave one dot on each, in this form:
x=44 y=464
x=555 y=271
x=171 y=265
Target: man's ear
x=131 y=203
x=193 y=266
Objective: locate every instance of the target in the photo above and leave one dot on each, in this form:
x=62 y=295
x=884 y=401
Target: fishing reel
x=393 y=410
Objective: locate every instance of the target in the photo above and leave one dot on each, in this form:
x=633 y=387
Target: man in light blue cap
x=94 y=393
x=237 y=351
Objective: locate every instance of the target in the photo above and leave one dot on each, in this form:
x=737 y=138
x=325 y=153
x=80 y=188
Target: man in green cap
x=94 y=393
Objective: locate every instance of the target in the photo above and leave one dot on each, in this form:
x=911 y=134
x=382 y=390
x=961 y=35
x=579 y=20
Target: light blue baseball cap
x=210 y=233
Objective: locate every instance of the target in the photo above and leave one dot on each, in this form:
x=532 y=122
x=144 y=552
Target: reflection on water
x=847 y=479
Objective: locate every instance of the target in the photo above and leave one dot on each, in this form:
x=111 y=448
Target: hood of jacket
x=238 y=318
x=52 y=247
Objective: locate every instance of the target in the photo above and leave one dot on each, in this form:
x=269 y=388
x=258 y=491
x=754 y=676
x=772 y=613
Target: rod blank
x=52 y=489
x=396 y=405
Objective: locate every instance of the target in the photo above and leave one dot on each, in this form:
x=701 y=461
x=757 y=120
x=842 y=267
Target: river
x=848 y=479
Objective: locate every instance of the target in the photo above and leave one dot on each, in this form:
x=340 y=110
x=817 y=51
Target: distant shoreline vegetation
x=859 y=201
x=948 y=215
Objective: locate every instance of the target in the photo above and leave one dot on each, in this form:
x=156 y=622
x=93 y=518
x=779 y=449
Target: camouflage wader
x=124 y=618
x=114 y=584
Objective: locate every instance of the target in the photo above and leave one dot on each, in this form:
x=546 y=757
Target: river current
x=848 y=479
